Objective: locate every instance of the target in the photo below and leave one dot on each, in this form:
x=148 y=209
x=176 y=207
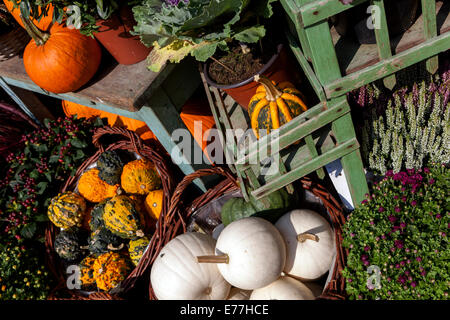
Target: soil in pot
x=233 y=72
x=237 y=65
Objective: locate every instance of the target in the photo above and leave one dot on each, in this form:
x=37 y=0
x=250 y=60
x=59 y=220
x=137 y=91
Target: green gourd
x=136 y=249
x=96 y=221
x=270 y=207
x=102 y=240
x=70 y=244
x=110 y=167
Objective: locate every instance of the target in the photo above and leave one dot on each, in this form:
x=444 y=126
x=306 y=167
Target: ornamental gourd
x=272 y=105
x=94 y=189
x=102 y=240
x=110 y=269
x=66 y=210
x=136 y=249
x=309 y=242
x=96 y=221
x=69 y=244
x=140 y=177
x=153 y=203
x=250 y=253
x=87 y=272
x=110 y=165
x=284 y=288
x=270 y=207
x=176 y=274
x=60 y=60
x=122 y=218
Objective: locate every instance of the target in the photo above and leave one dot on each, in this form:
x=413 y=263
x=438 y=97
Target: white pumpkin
x=315 y=288
x=309 y=243
x=176 y=274
x=250 y=253
x=285 y=288
x=239 y=294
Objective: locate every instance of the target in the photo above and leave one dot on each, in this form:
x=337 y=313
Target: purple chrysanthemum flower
x=402 y=225
x=366 y=248
x=438 y=216
x=380 y=209
x=392 y=218
x=414 y=203
x=413 y=284
x=431 y=181
x=397 y=209
x=418 y=259
x=398 y=244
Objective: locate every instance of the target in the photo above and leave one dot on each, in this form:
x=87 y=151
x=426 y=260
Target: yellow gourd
x=140 y=177
x=94 y=189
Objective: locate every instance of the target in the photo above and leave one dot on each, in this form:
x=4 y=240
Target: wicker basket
x=179 y=213
x=13 y=43
x=128 y=141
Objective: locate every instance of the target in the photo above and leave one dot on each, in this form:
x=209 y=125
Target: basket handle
x=131 y=136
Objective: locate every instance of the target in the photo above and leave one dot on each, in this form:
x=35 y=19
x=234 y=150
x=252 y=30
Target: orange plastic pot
x=281 y=67
x=114 y=34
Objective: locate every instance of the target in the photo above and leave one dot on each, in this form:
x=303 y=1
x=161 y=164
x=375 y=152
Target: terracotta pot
x=281 y=67
x=114 y=35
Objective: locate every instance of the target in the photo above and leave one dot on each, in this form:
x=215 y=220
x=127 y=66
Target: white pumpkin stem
x=111 y=247
x=302 y=237
x=272 y=92
x=223 y=258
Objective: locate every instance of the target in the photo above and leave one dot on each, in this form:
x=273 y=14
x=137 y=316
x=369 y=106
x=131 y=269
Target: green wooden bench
x=325 y=133
x=127 y=90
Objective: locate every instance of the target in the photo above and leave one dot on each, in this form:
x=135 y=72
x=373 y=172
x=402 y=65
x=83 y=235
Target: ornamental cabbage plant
x=178 y=28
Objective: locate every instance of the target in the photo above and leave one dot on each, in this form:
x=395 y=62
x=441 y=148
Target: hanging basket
x=180 y=213
x=130 y=142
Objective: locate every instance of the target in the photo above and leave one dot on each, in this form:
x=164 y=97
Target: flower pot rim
x=246 y=81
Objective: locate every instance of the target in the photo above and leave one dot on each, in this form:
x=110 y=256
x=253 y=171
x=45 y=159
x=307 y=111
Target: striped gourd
x=122 y=218
x=140 y=177
x=66 y=210
x=96 y=220
x=136 y=249
x=274 y=105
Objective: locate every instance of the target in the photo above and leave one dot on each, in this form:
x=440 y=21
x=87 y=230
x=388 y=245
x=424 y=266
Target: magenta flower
x=402 y=263
x=392 y=218
x=380 y=209
x=431 y=181
x=404 y=199
x=396 y=197
x=438 y=216
x=423 y=273
x=402 y=225
x=397 y=209
x=372 y=223
x=364 y=257
x=418 y=259
x=413 y=284
x=414 y=203
x=366 y=248
x=426 y=170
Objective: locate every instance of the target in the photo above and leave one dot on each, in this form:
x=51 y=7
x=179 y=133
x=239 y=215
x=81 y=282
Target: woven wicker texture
x=13 y=43
x=128 y=141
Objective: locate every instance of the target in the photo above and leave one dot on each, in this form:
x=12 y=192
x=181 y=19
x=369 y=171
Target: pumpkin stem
x=302 y=237
x=223 y=258
x=39 y=37
x=272 y=92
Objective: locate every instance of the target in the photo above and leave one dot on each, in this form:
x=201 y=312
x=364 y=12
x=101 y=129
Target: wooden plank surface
x=353 y=57
x=120 y=86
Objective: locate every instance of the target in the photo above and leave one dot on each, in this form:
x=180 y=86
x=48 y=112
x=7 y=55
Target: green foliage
x=51 y=154
x=176 y=29
x=22 y=273
x=402 y=228
x=413 y=129
x=89 y=11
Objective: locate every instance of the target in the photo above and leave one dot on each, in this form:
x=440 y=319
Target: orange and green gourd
x=87 y=272
x=122 y=218
x=136 y=249
x=94 y=189
x=140 y=177
x=110 y=269
x=66 y=210
x=153 y=203
x=274 y=105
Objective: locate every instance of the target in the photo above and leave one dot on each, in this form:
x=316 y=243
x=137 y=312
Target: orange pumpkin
x=140 y=127
x=62 y=60
x=43 y=24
